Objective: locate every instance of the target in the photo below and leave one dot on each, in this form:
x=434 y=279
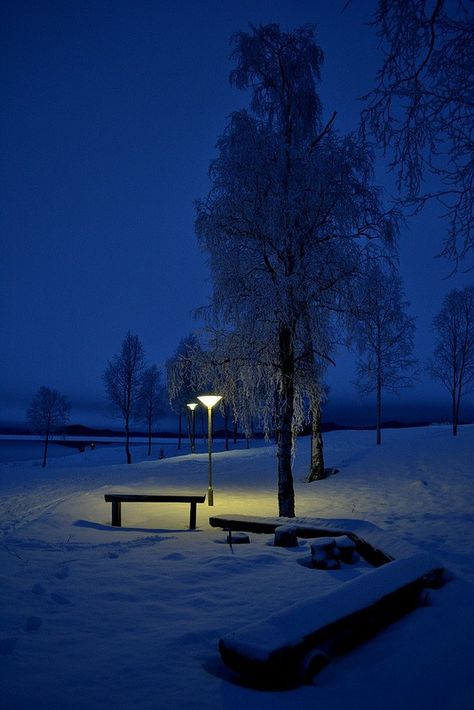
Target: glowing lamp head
x=192 y=406
x=209 y=400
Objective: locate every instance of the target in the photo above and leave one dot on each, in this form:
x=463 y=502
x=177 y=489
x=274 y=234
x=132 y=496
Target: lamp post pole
x=192 y=406
x=209 y=401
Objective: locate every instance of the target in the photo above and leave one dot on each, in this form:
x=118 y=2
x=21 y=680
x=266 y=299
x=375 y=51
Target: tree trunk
x=458 y=401
x=316 y=472
x=286 y=494
x=235 y=431
x=203 y=428
x=179 y=430
x=455 y=414
x=127 y=442
x=149 y=437
x=188 y=427
x=379 y=409
x=45 y=453
x=226 y=426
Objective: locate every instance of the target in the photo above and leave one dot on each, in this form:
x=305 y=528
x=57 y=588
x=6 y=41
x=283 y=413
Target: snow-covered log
x=290 y=646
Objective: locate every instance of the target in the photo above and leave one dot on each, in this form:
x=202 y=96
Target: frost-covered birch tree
x=220 y=374
x=453 y=361
x=183 y=380
x=384 y=336
x=290 y=209
x=422 y=107
x=234 y=366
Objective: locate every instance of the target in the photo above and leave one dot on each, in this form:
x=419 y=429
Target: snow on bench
x=366 y=537
x=118 y=498
x=292 y=645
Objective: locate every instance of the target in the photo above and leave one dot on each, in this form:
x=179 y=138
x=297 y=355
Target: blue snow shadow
x=115 y=528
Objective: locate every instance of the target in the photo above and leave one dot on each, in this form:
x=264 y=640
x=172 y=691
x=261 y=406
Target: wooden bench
x=118 y=498
x=292 y=645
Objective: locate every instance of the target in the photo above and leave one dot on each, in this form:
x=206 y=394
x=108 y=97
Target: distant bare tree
x=453 y=362
x=150 y=402
x=123 y=380
x=422 y=107
x=383 y=334
x=182 y=378
x=48 y=412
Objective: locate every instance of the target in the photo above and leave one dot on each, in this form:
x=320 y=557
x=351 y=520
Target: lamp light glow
x=209 y=400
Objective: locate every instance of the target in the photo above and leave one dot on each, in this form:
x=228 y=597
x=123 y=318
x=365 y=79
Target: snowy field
x=94 y=617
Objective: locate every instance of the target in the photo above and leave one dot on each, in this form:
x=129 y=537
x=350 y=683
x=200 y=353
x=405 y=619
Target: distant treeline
x=92 y=433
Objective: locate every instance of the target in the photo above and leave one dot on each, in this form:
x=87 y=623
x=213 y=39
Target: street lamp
x=192 y=406
x=209 y=401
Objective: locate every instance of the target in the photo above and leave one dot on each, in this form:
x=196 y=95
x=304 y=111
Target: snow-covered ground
x=93 y=616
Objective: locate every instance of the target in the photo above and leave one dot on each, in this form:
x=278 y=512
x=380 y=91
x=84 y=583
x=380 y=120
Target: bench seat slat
x=145 y=498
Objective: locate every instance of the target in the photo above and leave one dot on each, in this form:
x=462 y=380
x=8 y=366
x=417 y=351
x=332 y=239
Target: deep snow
x=93 y=616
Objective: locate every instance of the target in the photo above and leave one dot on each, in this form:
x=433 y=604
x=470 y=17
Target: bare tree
x=48 y=412
x=123 y=380
x=453 y=362
x=150 y=400
x=384 y=335
x=422 y=107
x=182 y=378
x=290 y=209
x=217 y=367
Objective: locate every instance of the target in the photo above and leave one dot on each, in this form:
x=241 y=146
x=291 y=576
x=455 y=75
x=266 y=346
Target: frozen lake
x=30 y=450
x=26 y=449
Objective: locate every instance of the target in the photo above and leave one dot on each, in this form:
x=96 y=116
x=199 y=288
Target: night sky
x=110 y=111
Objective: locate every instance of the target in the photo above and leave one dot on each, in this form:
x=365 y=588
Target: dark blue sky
x=110 y=114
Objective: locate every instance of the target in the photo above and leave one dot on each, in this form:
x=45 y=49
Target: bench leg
x=192 y=516
x=117 y=513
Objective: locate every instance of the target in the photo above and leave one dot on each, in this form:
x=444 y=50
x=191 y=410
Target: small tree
x=383 y=333
x=453 y=362
x=150 y=400
x=216 y=370
x=48 y=411
x=123 y=381
x=181 y=378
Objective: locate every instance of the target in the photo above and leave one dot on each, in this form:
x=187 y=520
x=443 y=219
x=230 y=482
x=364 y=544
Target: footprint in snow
x=62 y=573
x=112 y=555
